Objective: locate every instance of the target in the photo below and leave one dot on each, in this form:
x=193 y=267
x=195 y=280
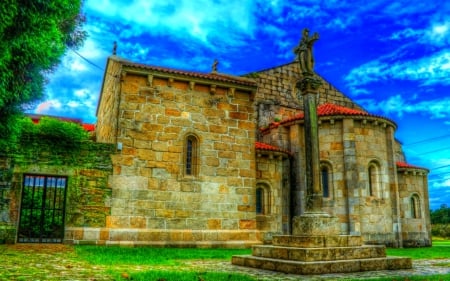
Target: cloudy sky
x=391 y=57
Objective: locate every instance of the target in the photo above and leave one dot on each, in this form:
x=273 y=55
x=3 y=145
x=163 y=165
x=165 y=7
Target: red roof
x=329 y=109
x=268 y=147
x=406 y=165
x=89 y=127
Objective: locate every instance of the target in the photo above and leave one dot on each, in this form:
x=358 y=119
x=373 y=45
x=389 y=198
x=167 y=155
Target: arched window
x=262 y=199
x=374 y=179
x=191 y=156
x=259 y=201
x=326 y=179
x=415 y=207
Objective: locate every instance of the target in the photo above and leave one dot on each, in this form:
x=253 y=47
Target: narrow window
x=191 y=158
x=189 y=145
x=259 y=201
x=263 y=199
x=325 y=182
x=415 y=207
x=374 y=181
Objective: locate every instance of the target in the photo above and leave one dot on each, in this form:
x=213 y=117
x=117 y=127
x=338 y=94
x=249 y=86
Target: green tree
x=34 y=35
x=441 y=215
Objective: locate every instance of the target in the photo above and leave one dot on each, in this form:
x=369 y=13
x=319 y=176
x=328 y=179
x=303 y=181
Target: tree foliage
x=53 y=131
x=34 y=35
x=441 y=215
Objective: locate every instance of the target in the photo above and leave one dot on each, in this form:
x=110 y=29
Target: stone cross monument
x=314 y=221
x=316 y=245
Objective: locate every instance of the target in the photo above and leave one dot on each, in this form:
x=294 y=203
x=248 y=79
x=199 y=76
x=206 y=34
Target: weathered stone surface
x=316 y=241
x=319 y=254
x=315 y=224
x=322 y=267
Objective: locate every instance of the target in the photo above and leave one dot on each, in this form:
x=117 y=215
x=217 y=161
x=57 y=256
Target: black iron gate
x=42 y=210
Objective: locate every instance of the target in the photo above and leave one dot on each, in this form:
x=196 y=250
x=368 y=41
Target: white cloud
x=204 y=20
x=430 y=70
x=438 y=34
x=396 y=105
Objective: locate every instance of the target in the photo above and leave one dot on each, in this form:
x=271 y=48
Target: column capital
x=308 y=85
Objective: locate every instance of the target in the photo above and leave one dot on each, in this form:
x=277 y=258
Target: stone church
x=216 y=160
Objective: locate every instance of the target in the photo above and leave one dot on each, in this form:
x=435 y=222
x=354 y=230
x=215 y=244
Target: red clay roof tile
x=268 y=147
x=406 y=165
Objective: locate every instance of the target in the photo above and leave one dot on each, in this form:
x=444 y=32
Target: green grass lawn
x=126 y=263
x=169 y=263
x=102 y=255
x=440 y=250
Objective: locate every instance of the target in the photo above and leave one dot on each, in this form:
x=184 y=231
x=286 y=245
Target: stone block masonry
x=87 y=167
x=156 y=198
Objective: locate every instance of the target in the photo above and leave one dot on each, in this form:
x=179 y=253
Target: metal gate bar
x=43 y=209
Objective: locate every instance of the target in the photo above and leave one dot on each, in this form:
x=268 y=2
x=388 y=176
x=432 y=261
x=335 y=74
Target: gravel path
x=59 y=262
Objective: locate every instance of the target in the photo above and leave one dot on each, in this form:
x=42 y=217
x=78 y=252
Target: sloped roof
x=268 y=147
x=329 y=109
x=405 y=165
x=210 y=76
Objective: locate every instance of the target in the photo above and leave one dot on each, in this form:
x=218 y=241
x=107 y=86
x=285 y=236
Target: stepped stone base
x=317 y=248
x=323 y=267
x=320 y=254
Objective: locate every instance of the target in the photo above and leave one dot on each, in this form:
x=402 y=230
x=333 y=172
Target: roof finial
x=214 y=66
x=114 y=51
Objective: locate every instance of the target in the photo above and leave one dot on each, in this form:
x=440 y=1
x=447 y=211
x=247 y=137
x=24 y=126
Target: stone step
x=317 y=241
x=323 y=267
x=319 y=254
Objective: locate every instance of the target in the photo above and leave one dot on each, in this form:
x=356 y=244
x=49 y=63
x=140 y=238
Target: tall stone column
x=313 y=221
x=308 y=87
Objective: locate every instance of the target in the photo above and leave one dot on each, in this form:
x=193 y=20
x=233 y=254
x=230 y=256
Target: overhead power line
x=87 y=60
x=427 y=140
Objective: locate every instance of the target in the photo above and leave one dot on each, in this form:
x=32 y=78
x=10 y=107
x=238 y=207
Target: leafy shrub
x=440 y=230
x=53 y=131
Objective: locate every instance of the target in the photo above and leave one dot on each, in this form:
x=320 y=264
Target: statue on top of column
x=304 y=52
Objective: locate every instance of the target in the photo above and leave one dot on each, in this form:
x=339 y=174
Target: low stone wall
x=162 y=238
x=87 y=168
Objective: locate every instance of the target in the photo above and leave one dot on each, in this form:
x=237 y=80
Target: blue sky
x=391 y=57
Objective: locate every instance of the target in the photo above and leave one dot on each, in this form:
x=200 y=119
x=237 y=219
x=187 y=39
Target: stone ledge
x=319 y=254
x=169 y=244
x=323 y=267
x=318 y=241
x=162 y=237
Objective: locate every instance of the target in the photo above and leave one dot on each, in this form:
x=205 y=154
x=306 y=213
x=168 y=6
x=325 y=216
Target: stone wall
x=272 y=175
x=348 y=145
x=276 y=95
x=107 y=110
x=416 y=231
x=154 y=201
x=87 y=168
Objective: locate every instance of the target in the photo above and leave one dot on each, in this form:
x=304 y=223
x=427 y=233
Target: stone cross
x=308 y=86
x=214 y=66
x=304 y=52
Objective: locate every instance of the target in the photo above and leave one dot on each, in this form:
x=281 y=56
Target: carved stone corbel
x=150 y=80
x=123 y=74
x=212 y=89
x=231 y=92
x=191 y=85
